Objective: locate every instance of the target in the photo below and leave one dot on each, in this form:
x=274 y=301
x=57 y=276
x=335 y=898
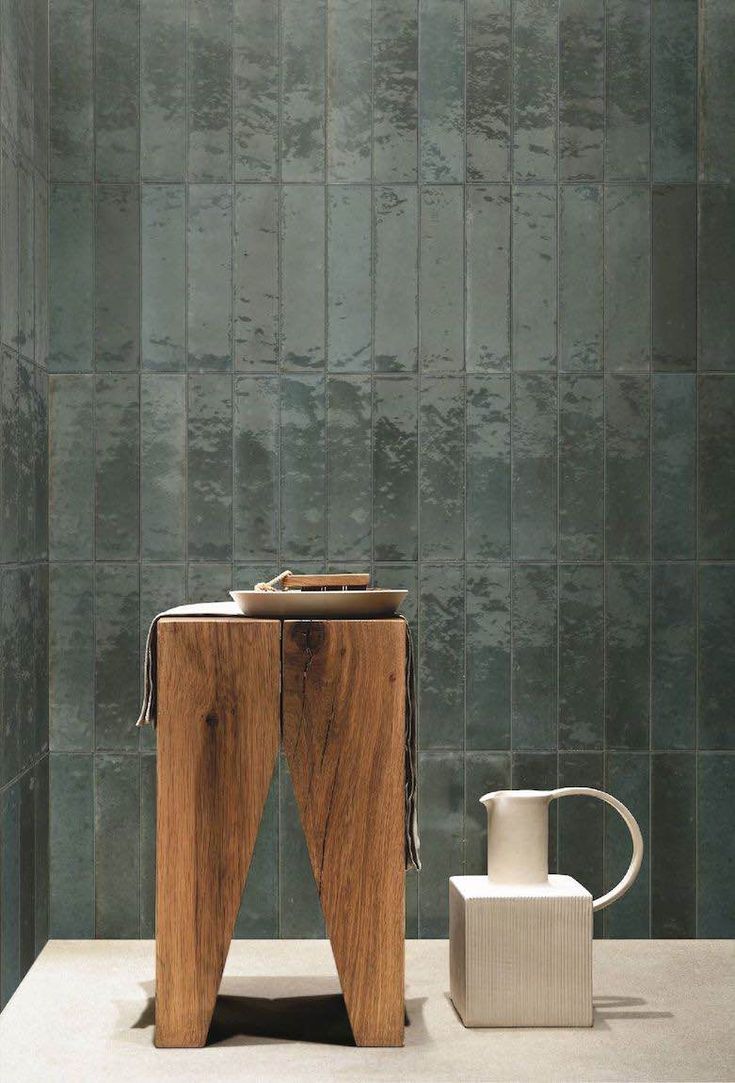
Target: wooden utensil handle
x=351 y=580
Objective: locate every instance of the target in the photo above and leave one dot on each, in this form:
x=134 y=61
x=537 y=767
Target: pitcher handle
x=635 y=833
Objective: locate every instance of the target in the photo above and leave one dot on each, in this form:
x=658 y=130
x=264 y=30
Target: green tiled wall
x=438 y=289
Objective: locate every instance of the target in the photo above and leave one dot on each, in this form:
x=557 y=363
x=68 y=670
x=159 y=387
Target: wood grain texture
x=343 y=735
x=218 y=735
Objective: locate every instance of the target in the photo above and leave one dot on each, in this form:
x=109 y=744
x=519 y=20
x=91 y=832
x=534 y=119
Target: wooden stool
x=229 y=688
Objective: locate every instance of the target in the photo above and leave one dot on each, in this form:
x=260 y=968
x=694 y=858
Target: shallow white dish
x=318 y=603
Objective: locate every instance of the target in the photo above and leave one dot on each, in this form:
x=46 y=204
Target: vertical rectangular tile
x=9 y=244
x=300 y=913
x=26 y=298
x=258 y=915
x=715 y=265
x=349 y=438
x=674 y=90
x=117 y=277
x=147 y=900
x=534 y=481
x=674 y=466
x=71 y=67
x=673 y=656
x=117 y=442
x=581 y=278
x=534 y=278
x=302 y=276
x=395 y=90
x=209 y=467
x=71 y=284
x=9 y=454
x=441 y=477
x=628 y=777
x=581 y=468
x=163 y=467
x=716 y=462
x=303 y=41
x=716 y=663
x=71 y=870
x=255 y=89
x=484 y=773
x=717 y=115
x=488 y=89
x=255 y=315
x=348 y=94
x=673 y=845
x=581 y=823
x=256 y=450
x=628 y=78
x=627 y=278
x=441 y=824
x=163 y=271
x=209 y=280
x=716 y=846
x=487 y=656
x=627 y=407
x=303 y=466
x=116 y=846
x=395 y=468
x=674 y=277
x=441 y=656
x=487 y=272
x=441 y=91
x=349 y=286
x=163 y=90
x=10 y=672
x=10 y=900
x=535 y=89
x=487 y=468
x=209 y=105
x=117 y=673
x=71 y=467
x=627 y=647
x=116 y=89
x=396 y=279
x=534 y=647
x=581 y=89
x=441 y=286
x=581 y=656
x=71 y=657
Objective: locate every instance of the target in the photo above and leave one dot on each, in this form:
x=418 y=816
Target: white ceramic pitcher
x=518 y=837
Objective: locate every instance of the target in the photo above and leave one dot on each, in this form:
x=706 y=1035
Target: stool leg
x=343 y=735
x=218 y=734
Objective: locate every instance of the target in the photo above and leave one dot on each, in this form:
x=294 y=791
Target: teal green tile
x=163 y=90
x=716 y=460
x=674 y=466
x=627 y=278
x=627 y=443
x=673 y=656
x=581 y=283
x=70 y=76
x=302 y=335
x=209 y=90
x=300 y=915
x=716 y=665
x=10 y=900
x=208 y=582
x=485 y=772
x=538 y=771
x=628 y=85
x=303 y=466
x=9 y=454
x=488 y=89
x=396 y=279
x=581 y=824
x=71 y=872
x=349 y=82
x=533 y=277
x=258 y=916
x=581 y=89
x=533 y=468
x=674 y=277
x=255 y=270
x=117 y=665
x=441 y=826
x=441 y=91
x=715 y=265
x=117 y=277
x=71 y=657
x=441 y=286
x=715 y=846
x=533 y=654
x=71 y=278
x=441 y=474
x=487 y=286
x=673 y=846
x=395 y=468
x=303 y=62
x=535 y=89
x=255 y=89
x=628 y=779
x=627 y=656
x=487 y=656
x=163 y=277
x=716 y=109
x=116 y=89
x=9 y=244
x=43 y=854
x=117 y=480
x=674 y=90
x=349 y=490
x=487 y=468
x=163 y=467
x=349 y=285
x=116 y=847
x=209 y=467
x=395 y=90
x=26 y=283
x=581 y=467
x=581 y=656
x=441 y=656
x=147 y=846
x=71 y=467
x=9 y=674
x=256 y=483
x=209 y=277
